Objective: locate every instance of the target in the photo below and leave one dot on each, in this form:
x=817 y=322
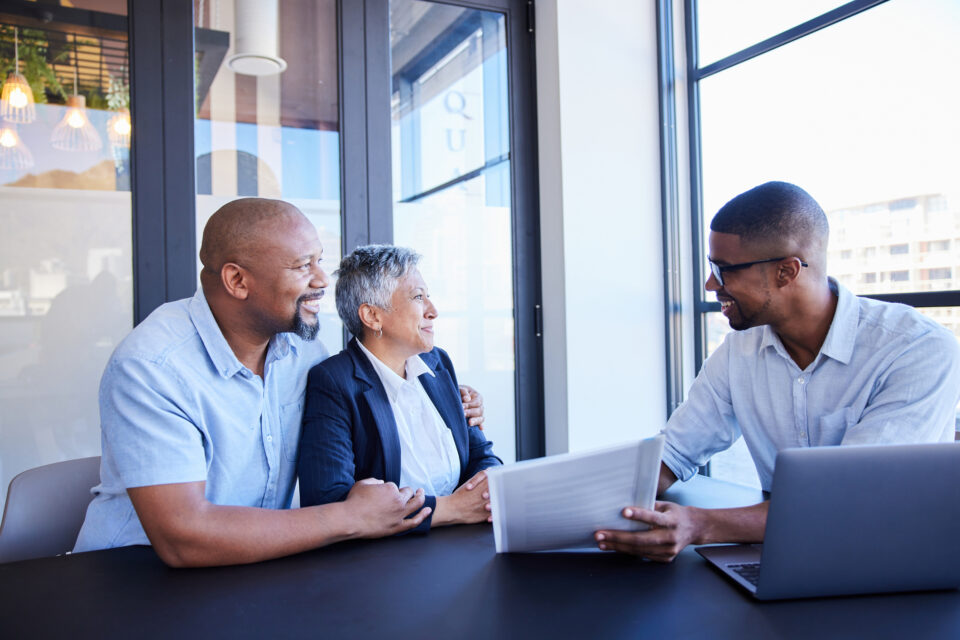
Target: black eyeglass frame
x=719 y=270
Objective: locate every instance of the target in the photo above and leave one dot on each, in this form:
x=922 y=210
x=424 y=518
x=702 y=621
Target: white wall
x=600 y=222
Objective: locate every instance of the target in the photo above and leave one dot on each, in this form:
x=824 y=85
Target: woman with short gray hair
x=388 y=406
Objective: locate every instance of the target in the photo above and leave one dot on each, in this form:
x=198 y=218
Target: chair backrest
x=46 y=507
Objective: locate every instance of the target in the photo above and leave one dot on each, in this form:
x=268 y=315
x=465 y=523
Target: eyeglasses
x=719 y=270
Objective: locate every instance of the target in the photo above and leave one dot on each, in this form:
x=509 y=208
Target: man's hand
x=470 y=503
x=379 y=508
x=672 y=527
x=472 y=405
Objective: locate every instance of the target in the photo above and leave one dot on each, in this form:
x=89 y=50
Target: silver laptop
x=854 y=519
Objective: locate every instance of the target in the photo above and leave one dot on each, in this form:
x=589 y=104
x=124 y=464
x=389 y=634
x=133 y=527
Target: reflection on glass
x=725 y=27
x=451 y=177
x=273 y=135
x=65 y=250
x=449 y=94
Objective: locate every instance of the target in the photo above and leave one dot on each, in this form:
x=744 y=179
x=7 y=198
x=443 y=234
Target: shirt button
x=269 y=438
x=801 y=380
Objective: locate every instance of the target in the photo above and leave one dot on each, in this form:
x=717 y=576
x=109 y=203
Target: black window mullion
x=365 y=160
x=162 y=169
x=524 y=172
x=795 y=33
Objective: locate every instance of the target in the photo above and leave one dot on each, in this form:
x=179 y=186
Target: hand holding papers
x=559 y=501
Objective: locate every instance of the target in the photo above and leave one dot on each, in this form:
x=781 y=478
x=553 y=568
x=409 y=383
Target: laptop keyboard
x=749 y=571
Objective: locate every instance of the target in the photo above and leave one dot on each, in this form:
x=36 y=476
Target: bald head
x=239 y=231
x=781 y=219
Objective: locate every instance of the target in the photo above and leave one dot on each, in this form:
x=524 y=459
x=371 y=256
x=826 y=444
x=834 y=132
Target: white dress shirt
x=428 y=454
x=885 y=374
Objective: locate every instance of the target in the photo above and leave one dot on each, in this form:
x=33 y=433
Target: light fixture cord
x=76 y=63
x=16 y=51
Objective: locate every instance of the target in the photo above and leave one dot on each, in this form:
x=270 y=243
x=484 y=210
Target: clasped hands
x=469 y=504
x=382 y=509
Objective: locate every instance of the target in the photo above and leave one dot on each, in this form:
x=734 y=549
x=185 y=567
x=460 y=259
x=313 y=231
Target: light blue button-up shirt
x=885 y=374
x=177 y=406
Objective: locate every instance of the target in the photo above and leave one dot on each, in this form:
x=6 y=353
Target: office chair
x=45 y=509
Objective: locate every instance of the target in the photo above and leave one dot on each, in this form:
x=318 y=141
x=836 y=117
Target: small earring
x=380 y=333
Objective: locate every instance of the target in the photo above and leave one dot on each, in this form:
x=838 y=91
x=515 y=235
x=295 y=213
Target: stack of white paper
x=560 y=501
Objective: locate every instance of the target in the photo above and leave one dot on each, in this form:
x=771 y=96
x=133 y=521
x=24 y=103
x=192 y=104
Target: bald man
x=809 y=364
x=200 y=409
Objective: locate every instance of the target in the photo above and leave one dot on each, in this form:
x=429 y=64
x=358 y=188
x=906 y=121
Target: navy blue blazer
x=349 y=432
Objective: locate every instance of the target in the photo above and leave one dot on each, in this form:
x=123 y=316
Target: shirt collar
x=842 y=334
x=216 y=345
x=415 y=367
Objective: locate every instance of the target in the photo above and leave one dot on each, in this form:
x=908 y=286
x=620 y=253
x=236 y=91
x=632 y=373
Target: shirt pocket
x=832 y=427
x=291 y=416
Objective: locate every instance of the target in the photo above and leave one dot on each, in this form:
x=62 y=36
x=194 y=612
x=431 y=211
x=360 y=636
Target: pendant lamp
x=16 y=99
x=13 y=153
x=257 y=39
x=118 y=128
x=75 y=132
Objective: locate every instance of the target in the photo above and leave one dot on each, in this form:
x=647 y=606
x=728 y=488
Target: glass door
x=452 y=189
x=66 y=267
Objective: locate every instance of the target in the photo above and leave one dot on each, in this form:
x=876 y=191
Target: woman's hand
x=470 y=503
x=472 y=405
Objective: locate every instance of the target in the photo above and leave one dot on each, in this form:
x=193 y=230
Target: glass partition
x=452 y=191
x=65 y=250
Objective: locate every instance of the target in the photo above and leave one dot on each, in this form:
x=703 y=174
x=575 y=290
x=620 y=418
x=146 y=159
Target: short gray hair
x=369 y=275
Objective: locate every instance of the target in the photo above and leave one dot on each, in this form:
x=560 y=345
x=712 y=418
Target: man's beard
x=303 y=330
x=742 y=322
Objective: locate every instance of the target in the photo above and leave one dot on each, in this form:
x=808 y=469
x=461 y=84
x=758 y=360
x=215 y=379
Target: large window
x=66 y=271
x=858 y=106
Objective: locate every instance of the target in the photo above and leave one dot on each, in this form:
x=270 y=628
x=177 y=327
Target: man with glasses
x=809 y=365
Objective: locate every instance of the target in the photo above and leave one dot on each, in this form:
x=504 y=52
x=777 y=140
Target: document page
x=560 y=501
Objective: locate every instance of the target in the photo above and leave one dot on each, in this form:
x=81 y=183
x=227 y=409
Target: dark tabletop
x=448 y=584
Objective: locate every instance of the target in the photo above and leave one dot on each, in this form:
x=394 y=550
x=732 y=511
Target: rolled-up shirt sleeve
x=705 y=423
x=147 y=433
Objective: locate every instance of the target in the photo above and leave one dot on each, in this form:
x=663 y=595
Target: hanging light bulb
x=16 y=100
x=75 y=132
x=118 y=128
x=13 y=153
